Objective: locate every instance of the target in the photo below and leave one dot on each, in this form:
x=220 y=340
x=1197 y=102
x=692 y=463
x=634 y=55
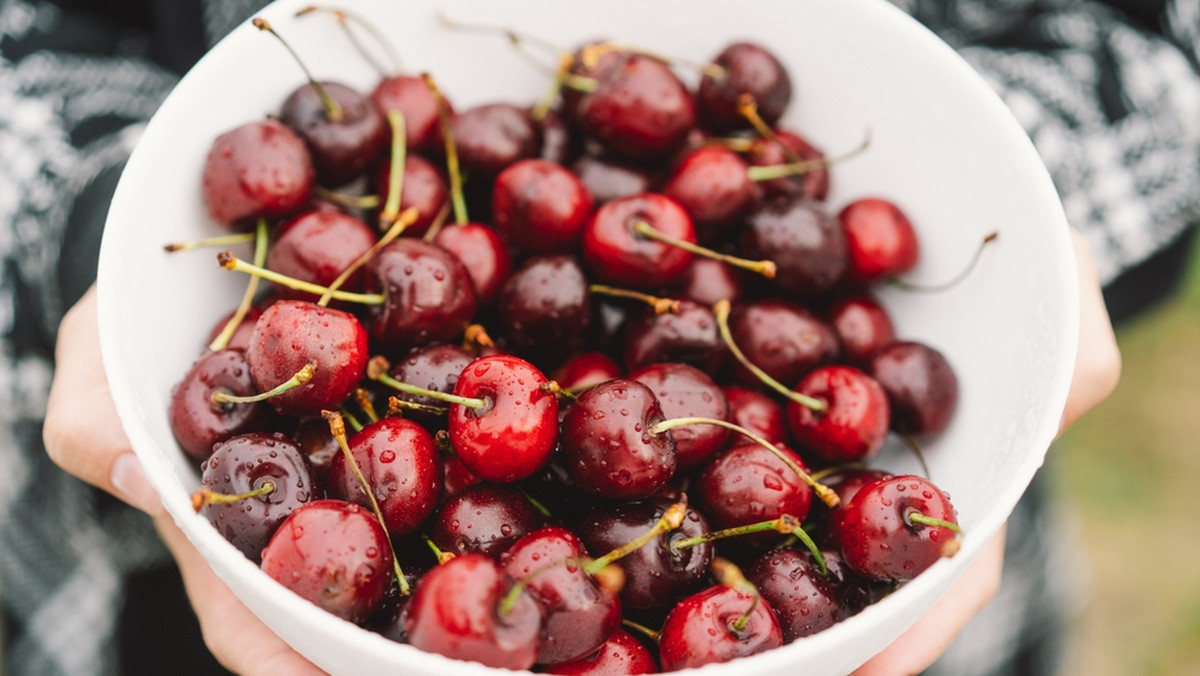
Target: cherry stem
x=512 y=35
x=953 y=281
x=391 y=208
x=535 y=503
x=731 y=576
x=786 y=524
x=338 y=429
x=748 y=107
x=552 y=387
x=301 y=377
x=442 y=557
x=377 y=370
x=826 y=494
x=261 y=238
x=916 y=449
x=642 y=629
x=206 y=496
x=333 y=110
x=231 y=262
x=438 y=221
x=774 y=171
x=452 y=168
x=354 y=423
x=740 y=145
x=396 y=405
x=556 y=85
x=407 y=218
x=224 y=240
x=346 y=201
x=363 y=398
x=476 y=336
x=519 y=586
x=721 y=312
x=671 y=519
x=661 y=306
x=342 y=15
x=764 y=268
x=925 y=520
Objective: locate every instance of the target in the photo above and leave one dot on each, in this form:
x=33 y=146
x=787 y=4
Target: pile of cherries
x=574 y=431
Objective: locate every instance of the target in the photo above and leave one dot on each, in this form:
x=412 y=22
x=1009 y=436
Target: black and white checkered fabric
x=1113 y=109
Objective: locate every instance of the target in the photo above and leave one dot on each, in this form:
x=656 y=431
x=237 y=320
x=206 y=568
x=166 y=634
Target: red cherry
x=882 y=530
x=812 y=184
x=706 y=281
x=781 y=338
x=749 y=484
x=618 y=255
x=196 y=420
x=411 y=96
x=484 y=255
x=712 y=185
x=854 y=424
x=317 y=246
x=745 y=69
x=429 y=296
x=702 y=629
x=880 y=239
x=863 y=328
x=920 y=384
x=540 y=207
x=342 y=149
x=485 y=519
x=423 y=187
x=586 y=370
x=621 y=654
x=258 y=170
x=756 y=412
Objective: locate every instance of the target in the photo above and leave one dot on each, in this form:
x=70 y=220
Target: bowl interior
x=942 y=146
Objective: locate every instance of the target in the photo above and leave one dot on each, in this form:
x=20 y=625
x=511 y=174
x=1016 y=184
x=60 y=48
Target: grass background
x=1129 y=474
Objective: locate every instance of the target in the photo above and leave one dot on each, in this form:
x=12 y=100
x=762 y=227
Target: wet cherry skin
x=257 y=170
x=196 y=421
x=879 y=539
x=855 y=423
x=700 y=629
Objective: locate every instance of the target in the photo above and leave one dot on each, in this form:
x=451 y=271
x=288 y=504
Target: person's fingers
x=1098 y=361
x=234 y=635
x=926 y=640
x=82 y=433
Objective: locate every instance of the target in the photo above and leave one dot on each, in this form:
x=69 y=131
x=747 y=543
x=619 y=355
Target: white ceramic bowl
x=943 y=146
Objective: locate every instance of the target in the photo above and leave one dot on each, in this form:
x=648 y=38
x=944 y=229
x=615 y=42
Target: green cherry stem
x=721 y=313
x=344 y=18
x=953 y=281
x=222 y=240
x=442 y=556
x=798 y=167
x=231 y=262
x=261 y=238
x=765 y=268
x=661 y=306
x=919 y=518
x=407 y=218
x=452 y=168
x=301 y=377
x=786 y=524
x=206 y=496
x=333 y=110
x=670 y=520
x=346 y=201
x=731 y=576
x=391 y=208
x=377 y=370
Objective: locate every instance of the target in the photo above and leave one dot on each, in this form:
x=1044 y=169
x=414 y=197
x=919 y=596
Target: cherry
x=580 y=614
x=920 y=384
x=895 y=528
x=411 y=96
x=318 y=446
x=197 y=421
x=606 y=444
x=485 y=519
x=257 y=170
x=712 y=185
x=456 y=477
x=863 y=328
x=432 y=367
x=607 y=179
x=292 y=334
x=744 y=69
x=756 y=412
x=854 y=422
x=880 y=238
x=749 y=484
x=707 y=281
x=333 y=554
x=266 y=463
x=805 y=600
x=512 y=431
x=718 y=624
x=316 y=247
x=493 y=136
x=423 y=187
x=685 y=391
x=621 y=654
x=806 y=244
x=397 y=458
x=781 y=338
x=586 y=370
x=688 y=335
x=560 y=143
x=787 y=147
x=484 y=255
x=846 y=481
x=639 y=109
x=545 y=307
x=429 y=296
x=617 y=254
x=464 y=609
x=342 y=145
x=540 y=207
x=657 y=573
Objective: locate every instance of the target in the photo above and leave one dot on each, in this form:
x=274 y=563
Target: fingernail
x=131 y=485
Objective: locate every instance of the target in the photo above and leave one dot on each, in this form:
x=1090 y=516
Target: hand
x=83 y=435
x=1097 y=370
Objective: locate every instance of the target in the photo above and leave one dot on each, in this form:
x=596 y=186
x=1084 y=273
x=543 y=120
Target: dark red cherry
x=703 y=629
x=196 y=420
x=424 y=187
x=398 y=459
x=639 y=110
x=616 y=254
x=807 y=245
x=429 y=295
x=335 y=555
x=513 y=433
x=341 y=149
x=545 y=308
x=621 y=654
x=689 y=336
x=456 y=477
x=292 y=333
x=812 y=184
x=745 y=69
x=493 y=136
x=606 y=442
x=607 y=179
x=658 y=573
x=749 y=484
x=707 y=281
x=540 y=207
x=712 y=185
x=484 y=518
x=411 y=96
x=863 y=328
x=317 y=246
x=684 y=392
x=882 y=535
x=781 y=338
x=920 y=384
x=757 y=412
x=880 y=238
x=483 y=253
x=460 y=610
x=586 y=370
x=804 y=600
x=243 y=464
x=432 y=367
x=854 y=424
x=258 y=170
x=846 y=481
x=318 y=445
x=580 y=615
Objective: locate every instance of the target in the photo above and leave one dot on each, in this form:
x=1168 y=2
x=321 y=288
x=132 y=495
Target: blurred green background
x=1129 y=476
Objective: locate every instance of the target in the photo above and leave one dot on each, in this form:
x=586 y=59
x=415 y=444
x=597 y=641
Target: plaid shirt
x=1113 y=108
